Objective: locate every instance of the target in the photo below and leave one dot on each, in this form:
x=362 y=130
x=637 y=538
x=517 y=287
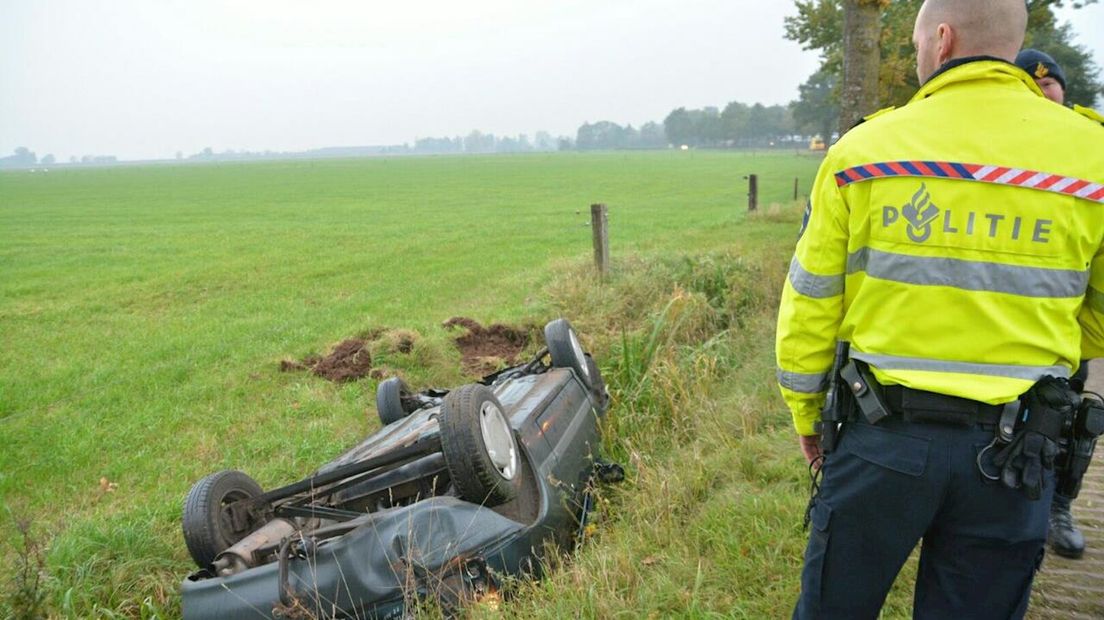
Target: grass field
x=144 y=311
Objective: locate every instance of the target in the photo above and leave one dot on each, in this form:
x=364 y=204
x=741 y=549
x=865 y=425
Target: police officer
x=1047 y=73
x=955 y=243
x=1064 y=537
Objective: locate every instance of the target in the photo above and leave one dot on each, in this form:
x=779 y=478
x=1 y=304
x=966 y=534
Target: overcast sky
x=146 y=78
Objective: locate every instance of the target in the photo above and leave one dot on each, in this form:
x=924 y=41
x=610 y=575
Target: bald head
x=949 y=29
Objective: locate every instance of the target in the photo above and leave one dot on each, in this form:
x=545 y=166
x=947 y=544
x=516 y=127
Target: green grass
x=143 y=313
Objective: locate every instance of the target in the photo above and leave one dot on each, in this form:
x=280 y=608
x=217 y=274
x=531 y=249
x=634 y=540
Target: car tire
x=207 y=528
x=480 y=449
x=566 y=350
x=389 y=400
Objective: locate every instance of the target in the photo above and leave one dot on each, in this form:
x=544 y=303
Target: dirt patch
x=349 y=361
x=486 y=349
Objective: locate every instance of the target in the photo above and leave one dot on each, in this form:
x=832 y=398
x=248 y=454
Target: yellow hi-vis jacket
x=954 y=242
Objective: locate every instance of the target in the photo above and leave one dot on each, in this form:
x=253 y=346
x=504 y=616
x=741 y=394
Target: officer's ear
x=946 y=41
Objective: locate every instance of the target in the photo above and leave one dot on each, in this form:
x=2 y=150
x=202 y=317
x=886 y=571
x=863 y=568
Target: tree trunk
x=862 y=29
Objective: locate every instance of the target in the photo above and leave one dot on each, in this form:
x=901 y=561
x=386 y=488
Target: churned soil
x=349 y=361
x=485 y=349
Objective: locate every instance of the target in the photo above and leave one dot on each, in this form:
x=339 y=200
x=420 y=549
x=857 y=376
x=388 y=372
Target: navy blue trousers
x=885 y=488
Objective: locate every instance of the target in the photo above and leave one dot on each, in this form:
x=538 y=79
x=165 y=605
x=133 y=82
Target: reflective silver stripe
x=1035 y=180
x=1063 y=184
x=802 y=382
x=1008 y=176
x=812 y=285
x=892 y=362
x=984 y=172
x=1084 y=192
x=1095 y=299
x=969 y=275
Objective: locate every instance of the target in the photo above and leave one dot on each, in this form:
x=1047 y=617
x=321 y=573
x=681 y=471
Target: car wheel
x=208 y=527
x=480 y=449
x=389 y=400
x=566 y=352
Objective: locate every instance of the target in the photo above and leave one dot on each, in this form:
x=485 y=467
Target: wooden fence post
x=795 y=188
x=599 y=224
x=753 y=192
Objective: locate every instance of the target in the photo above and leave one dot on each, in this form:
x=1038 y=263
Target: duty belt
x=921 y=406
x=875 y=402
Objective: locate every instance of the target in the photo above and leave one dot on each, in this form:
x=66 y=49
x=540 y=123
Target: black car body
x=351 y=543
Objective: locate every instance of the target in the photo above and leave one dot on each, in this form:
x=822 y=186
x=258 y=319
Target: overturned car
x=459 y=490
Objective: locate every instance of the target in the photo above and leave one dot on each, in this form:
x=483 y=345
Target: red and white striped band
x=1070 y=186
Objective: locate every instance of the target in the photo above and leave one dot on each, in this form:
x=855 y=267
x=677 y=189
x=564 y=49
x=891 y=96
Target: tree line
x=24 y=157
x=819 y=25
x=737 y=125
x=479 y=142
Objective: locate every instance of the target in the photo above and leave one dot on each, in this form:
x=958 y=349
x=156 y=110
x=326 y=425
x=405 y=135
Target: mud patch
x=349 y=361
x=486 y=349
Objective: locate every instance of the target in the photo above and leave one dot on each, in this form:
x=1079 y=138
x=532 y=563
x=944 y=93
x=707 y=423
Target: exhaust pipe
x=240 y=555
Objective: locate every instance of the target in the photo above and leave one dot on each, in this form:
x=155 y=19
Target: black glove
x=1053 y=396
x=1023 y=461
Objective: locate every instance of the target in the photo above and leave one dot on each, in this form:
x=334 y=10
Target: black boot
x=1064 y=537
